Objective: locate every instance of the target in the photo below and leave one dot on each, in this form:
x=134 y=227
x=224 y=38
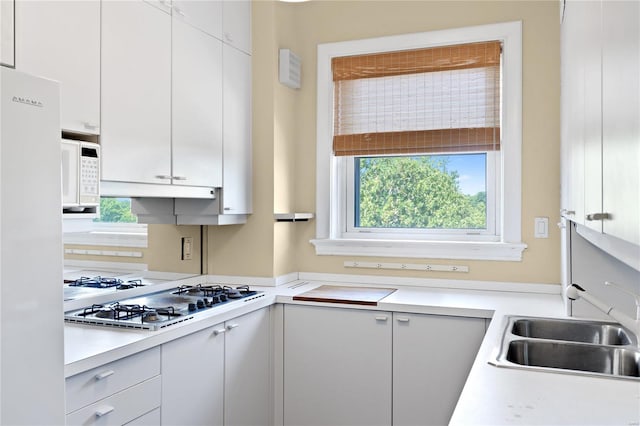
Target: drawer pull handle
x=220 y=331
x=104 y=374
x=381 y=318
x=232 y=326
x=104 y=411
x=403 y=319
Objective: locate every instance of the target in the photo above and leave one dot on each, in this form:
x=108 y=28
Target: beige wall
x=330 y=21
x=163 y=253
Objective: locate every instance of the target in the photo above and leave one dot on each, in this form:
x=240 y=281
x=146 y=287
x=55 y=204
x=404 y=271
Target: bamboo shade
x=444 y=99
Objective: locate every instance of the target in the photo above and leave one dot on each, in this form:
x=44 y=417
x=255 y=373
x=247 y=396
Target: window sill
x=421 y=249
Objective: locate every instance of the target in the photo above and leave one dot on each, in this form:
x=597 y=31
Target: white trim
x=539 y=288
x=421 y=249
x=253 y=281
x=328 y=239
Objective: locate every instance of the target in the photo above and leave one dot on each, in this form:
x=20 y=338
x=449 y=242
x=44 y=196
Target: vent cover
x=290 y=65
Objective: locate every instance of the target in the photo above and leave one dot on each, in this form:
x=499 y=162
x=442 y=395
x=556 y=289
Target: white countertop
x=491 y=395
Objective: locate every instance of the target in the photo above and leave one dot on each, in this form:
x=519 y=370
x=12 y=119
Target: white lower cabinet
x=432 y=357
x=115 y=393
x=193 y=379
x=364 y=367
x=247 y=395
x=219 y=375
x=337 y=366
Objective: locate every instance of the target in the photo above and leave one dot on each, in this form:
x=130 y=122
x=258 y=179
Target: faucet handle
x=635 y=296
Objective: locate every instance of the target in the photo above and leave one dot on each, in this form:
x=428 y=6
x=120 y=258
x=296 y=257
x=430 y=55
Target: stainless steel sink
x=601 y=333
x=599 y=359
x=595 y=348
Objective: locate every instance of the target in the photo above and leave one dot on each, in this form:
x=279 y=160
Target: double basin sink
x=596 y=348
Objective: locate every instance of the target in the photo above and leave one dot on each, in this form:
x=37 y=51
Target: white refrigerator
x=31 y=255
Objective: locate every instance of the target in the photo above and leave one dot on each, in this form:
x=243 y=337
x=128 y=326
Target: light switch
x=541 y=227
x=187 y=247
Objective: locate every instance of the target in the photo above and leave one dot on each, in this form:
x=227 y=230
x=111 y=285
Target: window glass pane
x=421 y=192
x=116 y=210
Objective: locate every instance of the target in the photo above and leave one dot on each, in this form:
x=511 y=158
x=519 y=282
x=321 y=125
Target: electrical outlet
x=187 y=248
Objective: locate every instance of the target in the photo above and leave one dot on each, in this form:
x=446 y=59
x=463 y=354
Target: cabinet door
x=582 y=111
x=247 y=394
x=237 y=175
x=204 y=15
x=193 y=379
x=196 y=106
x=337 y=366
x=136 y=92
x=236 y=24
x=621 y=119
x=432 y=357
x=60 y=40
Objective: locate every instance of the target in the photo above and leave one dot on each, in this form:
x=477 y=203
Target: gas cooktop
x=162 y=309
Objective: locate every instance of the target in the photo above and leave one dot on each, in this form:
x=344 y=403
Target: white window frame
x=331 y=238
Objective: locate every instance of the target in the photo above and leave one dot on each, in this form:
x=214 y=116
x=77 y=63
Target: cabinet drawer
x=149 y=419
x=120 y=408
x=98 y=383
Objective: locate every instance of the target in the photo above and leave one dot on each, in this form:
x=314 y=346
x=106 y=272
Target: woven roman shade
x=442 y=99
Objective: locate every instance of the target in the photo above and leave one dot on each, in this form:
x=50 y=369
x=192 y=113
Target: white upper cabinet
x=601 y=116
x=204 y=15
x=621 y=119
x=136 y=93
x=237 y=24
x=197 y=107
x=236 y=192
x=61 y=41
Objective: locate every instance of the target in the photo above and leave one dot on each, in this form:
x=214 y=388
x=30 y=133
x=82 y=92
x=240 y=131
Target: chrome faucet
x=575 y=292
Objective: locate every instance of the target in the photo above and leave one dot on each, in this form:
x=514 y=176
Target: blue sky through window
x=471 y=169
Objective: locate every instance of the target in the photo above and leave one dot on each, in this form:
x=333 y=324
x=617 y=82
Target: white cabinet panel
x=60 y=40
x=196 y=106
x=152 y=418
x=237 y=170
x=237 y=24
x=219 y=375
x=193 y=379
x=337 y=366
x=621 y=119
x=90 y=386
x=204 y=15
x=590 y=85
x=247 y=395
x=432 y=357
x=121 y=407
x=136 y=93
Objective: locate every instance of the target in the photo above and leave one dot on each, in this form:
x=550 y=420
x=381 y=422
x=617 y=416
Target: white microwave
x=80 y=176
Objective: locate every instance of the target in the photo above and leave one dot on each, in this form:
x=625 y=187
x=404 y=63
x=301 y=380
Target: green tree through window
x=414 y=192
x=116 y=210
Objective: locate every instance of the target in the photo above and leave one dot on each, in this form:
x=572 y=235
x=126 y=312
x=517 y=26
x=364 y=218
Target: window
x=419 y=145
x=116 y=226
